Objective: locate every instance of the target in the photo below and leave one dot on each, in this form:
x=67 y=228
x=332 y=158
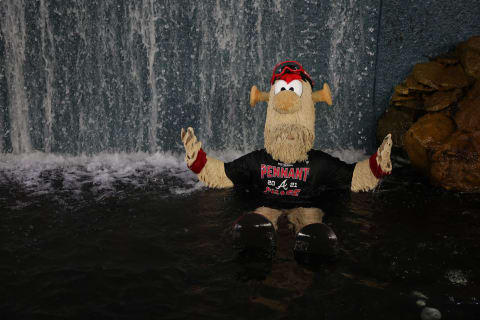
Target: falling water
x=86 y=77
x=48 y=56
x=352 y=51
x=143 y=17
x=14 y=31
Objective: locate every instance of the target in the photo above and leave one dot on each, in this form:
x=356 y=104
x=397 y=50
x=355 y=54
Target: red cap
x=290 y=67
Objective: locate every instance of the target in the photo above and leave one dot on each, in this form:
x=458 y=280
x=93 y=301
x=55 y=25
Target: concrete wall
x=412 y=31
x=126 y=75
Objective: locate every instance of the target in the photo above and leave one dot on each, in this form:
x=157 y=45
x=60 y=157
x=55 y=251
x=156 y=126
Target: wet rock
x=421 y=303
x=447 y=59
x=414 y=104
x=412 y=84
x=430 y=314
x=455 y=165
x=428 y=73
x=402 y=97
x=469 y=54
x=396 y=121
x=420 y=295
x=452 y=77
x=401 y=89
x=474 y=92
x=426 y=135
x=468 y=116
x=440 y=77
x=441 y=99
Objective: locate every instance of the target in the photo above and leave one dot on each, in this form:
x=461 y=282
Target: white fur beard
x=281 y=147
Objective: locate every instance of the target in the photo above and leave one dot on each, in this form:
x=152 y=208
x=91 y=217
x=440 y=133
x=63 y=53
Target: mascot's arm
x=209 y=170
x=367 y=173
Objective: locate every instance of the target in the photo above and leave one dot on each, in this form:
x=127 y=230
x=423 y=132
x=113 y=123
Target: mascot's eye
x=295 y=86
x=280 y=85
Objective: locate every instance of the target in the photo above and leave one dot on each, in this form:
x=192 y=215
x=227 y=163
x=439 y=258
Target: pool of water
x=137 y=237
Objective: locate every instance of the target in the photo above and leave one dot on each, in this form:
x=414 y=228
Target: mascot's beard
x=288 y=143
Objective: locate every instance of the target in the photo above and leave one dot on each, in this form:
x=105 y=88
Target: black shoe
x=254 y=236
x=315 y=243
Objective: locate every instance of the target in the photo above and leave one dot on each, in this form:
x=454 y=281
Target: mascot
x=288 y=174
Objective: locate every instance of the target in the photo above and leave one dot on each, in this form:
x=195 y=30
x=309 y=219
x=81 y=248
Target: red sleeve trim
x=200 y=162
x=376 y=169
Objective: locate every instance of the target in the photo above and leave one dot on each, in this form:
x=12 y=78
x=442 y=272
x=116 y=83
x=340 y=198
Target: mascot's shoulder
x=262 y=154
x=257 y=155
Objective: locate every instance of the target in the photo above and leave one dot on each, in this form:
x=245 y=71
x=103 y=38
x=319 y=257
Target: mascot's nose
x=286 y=101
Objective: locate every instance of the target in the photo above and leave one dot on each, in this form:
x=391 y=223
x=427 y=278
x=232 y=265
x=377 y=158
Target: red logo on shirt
x=281 y=172
x=285 y=188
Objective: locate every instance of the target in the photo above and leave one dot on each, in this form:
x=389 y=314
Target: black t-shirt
x=303 y=181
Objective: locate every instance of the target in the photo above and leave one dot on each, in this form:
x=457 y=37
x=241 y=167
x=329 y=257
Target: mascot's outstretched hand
x=209 y=170
x=191 y=144
x=383 y=155
x=367 y=173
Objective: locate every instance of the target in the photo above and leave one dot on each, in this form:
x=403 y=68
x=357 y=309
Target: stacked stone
x=434 y=115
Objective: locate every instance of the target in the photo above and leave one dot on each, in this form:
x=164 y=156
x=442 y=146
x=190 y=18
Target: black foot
x=254 y=236
x=315 y=243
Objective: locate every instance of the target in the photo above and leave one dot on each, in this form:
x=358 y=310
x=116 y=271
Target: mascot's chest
x=283 y=179
x=259 y=173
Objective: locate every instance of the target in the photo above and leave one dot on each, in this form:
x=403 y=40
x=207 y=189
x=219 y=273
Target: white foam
x=109 y=174
x=430 y=314
x=36 y=173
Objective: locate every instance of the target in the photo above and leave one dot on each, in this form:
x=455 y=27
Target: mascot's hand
x=192 y=146
x=383 y=154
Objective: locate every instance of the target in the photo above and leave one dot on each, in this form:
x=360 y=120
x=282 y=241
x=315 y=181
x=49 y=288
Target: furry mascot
x=288 y=170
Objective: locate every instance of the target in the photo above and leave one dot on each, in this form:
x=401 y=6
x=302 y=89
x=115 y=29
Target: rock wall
x=434 y=115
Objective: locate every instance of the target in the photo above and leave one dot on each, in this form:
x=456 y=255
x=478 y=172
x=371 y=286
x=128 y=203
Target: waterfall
x=3 y=102
x=83 y=77
x=350 y=66
x=48 y=57
x=14 y=35
x=143 y=16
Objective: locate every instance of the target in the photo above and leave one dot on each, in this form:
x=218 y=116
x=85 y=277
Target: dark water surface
x=147 y=253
